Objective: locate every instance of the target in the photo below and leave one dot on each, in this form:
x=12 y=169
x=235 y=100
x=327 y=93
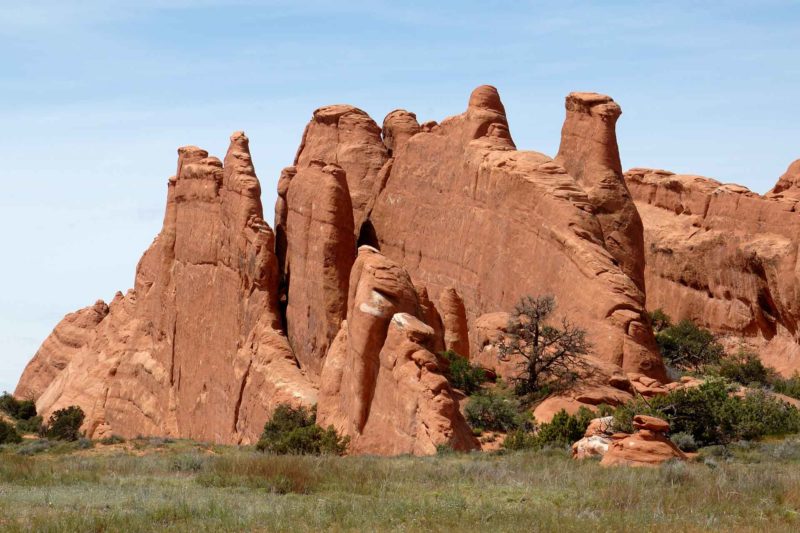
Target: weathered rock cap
x=398 y=127
x=593 y=103
x=487 y=97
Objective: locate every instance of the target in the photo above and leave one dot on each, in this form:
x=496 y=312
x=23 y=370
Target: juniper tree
x=550 y=357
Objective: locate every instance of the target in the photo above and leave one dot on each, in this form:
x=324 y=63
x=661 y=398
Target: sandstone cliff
x=724 y=257
x=453 y=223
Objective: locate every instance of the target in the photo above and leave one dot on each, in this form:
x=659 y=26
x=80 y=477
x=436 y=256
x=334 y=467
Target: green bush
x=660 y=320
x=293 y=430
x=494 y=410
x=8 y=434
x=111 y=440
x=687 y=346
x=564 y=429
x=788 y=386
x=21 y=410
x=461 y=374
x=65 y=424
x=712 y=416
x=31 y=425
x=746 y=368
x=684 y=441
x=26 y=410
x=560 y=432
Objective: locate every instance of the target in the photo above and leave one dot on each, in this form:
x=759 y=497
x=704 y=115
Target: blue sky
x=95 y=96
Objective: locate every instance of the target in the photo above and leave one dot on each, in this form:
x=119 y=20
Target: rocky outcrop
x=590 y=154
x=462 y=208
x=346 y=136
x=71 y=335
x=195 y=350
x=648 y=446
x=454 y=320
x=724 y=257
x=788 y=186
x=596 y=439
x=227 y=319
x=381 y=385
x=320 y=253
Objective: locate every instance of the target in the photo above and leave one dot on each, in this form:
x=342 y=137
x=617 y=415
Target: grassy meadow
x=156 y=484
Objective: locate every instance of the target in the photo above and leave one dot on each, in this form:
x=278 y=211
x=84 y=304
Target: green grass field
x=149 y=484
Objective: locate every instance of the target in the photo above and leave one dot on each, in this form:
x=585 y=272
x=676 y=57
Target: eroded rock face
x=70 y=336
x=381 y=385
x=454 y=319
x=724 y=257
x=320 y=252
x=346 y=136
x=227 y=319
x=195 y=350
x=462 y=208
x=590 y=154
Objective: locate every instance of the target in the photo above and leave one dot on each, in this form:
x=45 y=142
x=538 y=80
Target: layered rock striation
x=725 y=257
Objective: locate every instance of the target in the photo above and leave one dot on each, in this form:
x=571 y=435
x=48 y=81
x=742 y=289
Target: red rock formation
x=454 y=319
x=348 y=137
x=648 y=446
x=196 y=349
x=590 y=154
x=380 y=384
x=70 y=336
x=788 y=185
x=462 y=208
x=724 y=257
x=320 y=253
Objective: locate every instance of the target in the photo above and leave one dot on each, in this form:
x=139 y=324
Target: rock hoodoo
x=390 y=245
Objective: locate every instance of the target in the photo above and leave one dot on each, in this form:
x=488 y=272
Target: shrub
x=85 y=444
x=519 y=439
x=463 y=375
x=561 y=431
x=65 y=424
x=711 y=416
x=35 y=447
x=494 y=410
x=756 y=415
x=689 y=347
x=31 y=425
x=660 y=320
x=788 y=386
x=293 y=430
x=684 y=441
x=9 y=405
x=746 y=368
x=564 y=429
x=111 y=440
x=8 y=434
